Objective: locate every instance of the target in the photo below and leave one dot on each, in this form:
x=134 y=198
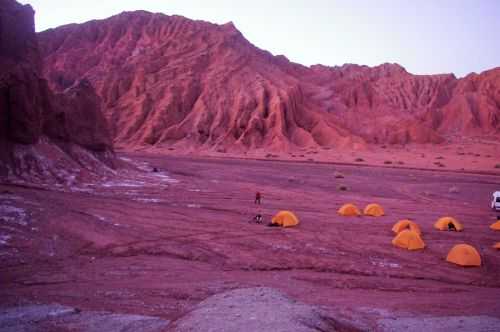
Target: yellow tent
x=443 y=224
x=349 y=210
x=496 y=245
x=406 y=224
x=408 y=240
x=495 y=226
x=464 y=255
x=285 y=219
x=373 y=210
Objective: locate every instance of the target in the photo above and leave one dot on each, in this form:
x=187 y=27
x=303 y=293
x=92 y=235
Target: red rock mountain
x=170 y=80
x=38 y=127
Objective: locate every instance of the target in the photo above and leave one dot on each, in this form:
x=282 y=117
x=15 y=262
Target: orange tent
x=464 y=255
x=496 y=245
x=442 y=224
x=406 y=224
x=410 y=240
x=495 y=226
x=285 y=219
x=373 y=210
x=349 y=210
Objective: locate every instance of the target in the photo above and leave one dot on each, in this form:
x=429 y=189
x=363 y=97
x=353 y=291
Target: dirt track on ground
x=159 y=245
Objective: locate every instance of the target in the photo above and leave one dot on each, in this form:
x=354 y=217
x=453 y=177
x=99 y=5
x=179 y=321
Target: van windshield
x=497 y=200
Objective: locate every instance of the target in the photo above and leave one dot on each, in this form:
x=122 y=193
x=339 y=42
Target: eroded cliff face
x=169 y=80
x=474 y=107
x=36 y=125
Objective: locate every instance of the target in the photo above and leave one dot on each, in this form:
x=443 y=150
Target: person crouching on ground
x=258 y=218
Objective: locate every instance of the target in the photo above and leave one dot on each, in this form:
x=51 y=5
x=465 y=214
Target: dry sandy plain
x=157 y=244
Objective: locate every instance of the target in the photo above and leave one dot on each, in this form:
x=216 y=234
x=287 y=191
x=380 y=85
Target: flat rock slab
x=55 y=317
x=254 y=309
x=441 y=324
x=32 y=314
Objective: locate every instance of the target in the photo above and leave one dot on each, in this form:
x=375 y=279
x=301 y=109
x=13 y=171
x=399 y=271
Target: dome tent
x=495 y=226
x=349 y=210
x=406 y=224
x=410 y=240
x=285 y=219
x=443 y=224
x=374 y=210
x=464 y=255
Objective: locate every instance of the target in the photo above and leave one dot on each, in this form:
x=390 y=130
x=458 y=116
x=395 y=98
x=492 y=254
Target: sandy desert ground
x=157 y=244
x=480 y=155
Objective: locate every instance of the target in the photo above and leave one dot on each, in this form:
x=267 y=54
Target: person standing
x=258 y=198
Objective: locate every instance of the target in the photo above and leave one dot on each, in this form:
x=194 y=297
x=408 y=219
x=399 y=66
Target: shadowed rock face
x=78 y=118
x=168 y=79
x=29 y=110
x=23 y=94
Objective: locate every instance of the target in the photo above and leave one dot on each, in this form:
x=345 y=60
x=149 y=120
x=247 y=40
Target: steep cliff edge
x=44 y=135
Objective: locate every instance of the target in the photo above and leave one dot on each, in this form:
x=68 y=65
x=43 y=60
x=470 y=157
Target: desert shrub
x=294 y=179
x=338 y=175
x=359 y=160
x=401 y=163
x=439 y=164
x=387 y=162
x=342 y=187
x=497 y=166
x=440 y=157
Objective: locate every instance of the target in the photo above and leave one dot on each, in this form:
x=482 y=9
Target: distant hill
x=168 y=80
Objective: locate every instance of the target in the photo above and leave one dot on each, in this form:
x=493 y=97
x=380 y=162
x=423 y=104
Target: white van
x=495 y=203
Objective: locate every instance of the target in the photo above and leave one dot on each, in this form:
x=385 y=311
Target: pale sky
x=424 y=36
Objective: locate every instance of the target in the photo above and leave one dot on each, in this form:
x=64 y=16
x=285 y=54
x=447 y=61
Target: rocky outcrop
x=169 y=80
x=257 y=309
x=31 y=115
